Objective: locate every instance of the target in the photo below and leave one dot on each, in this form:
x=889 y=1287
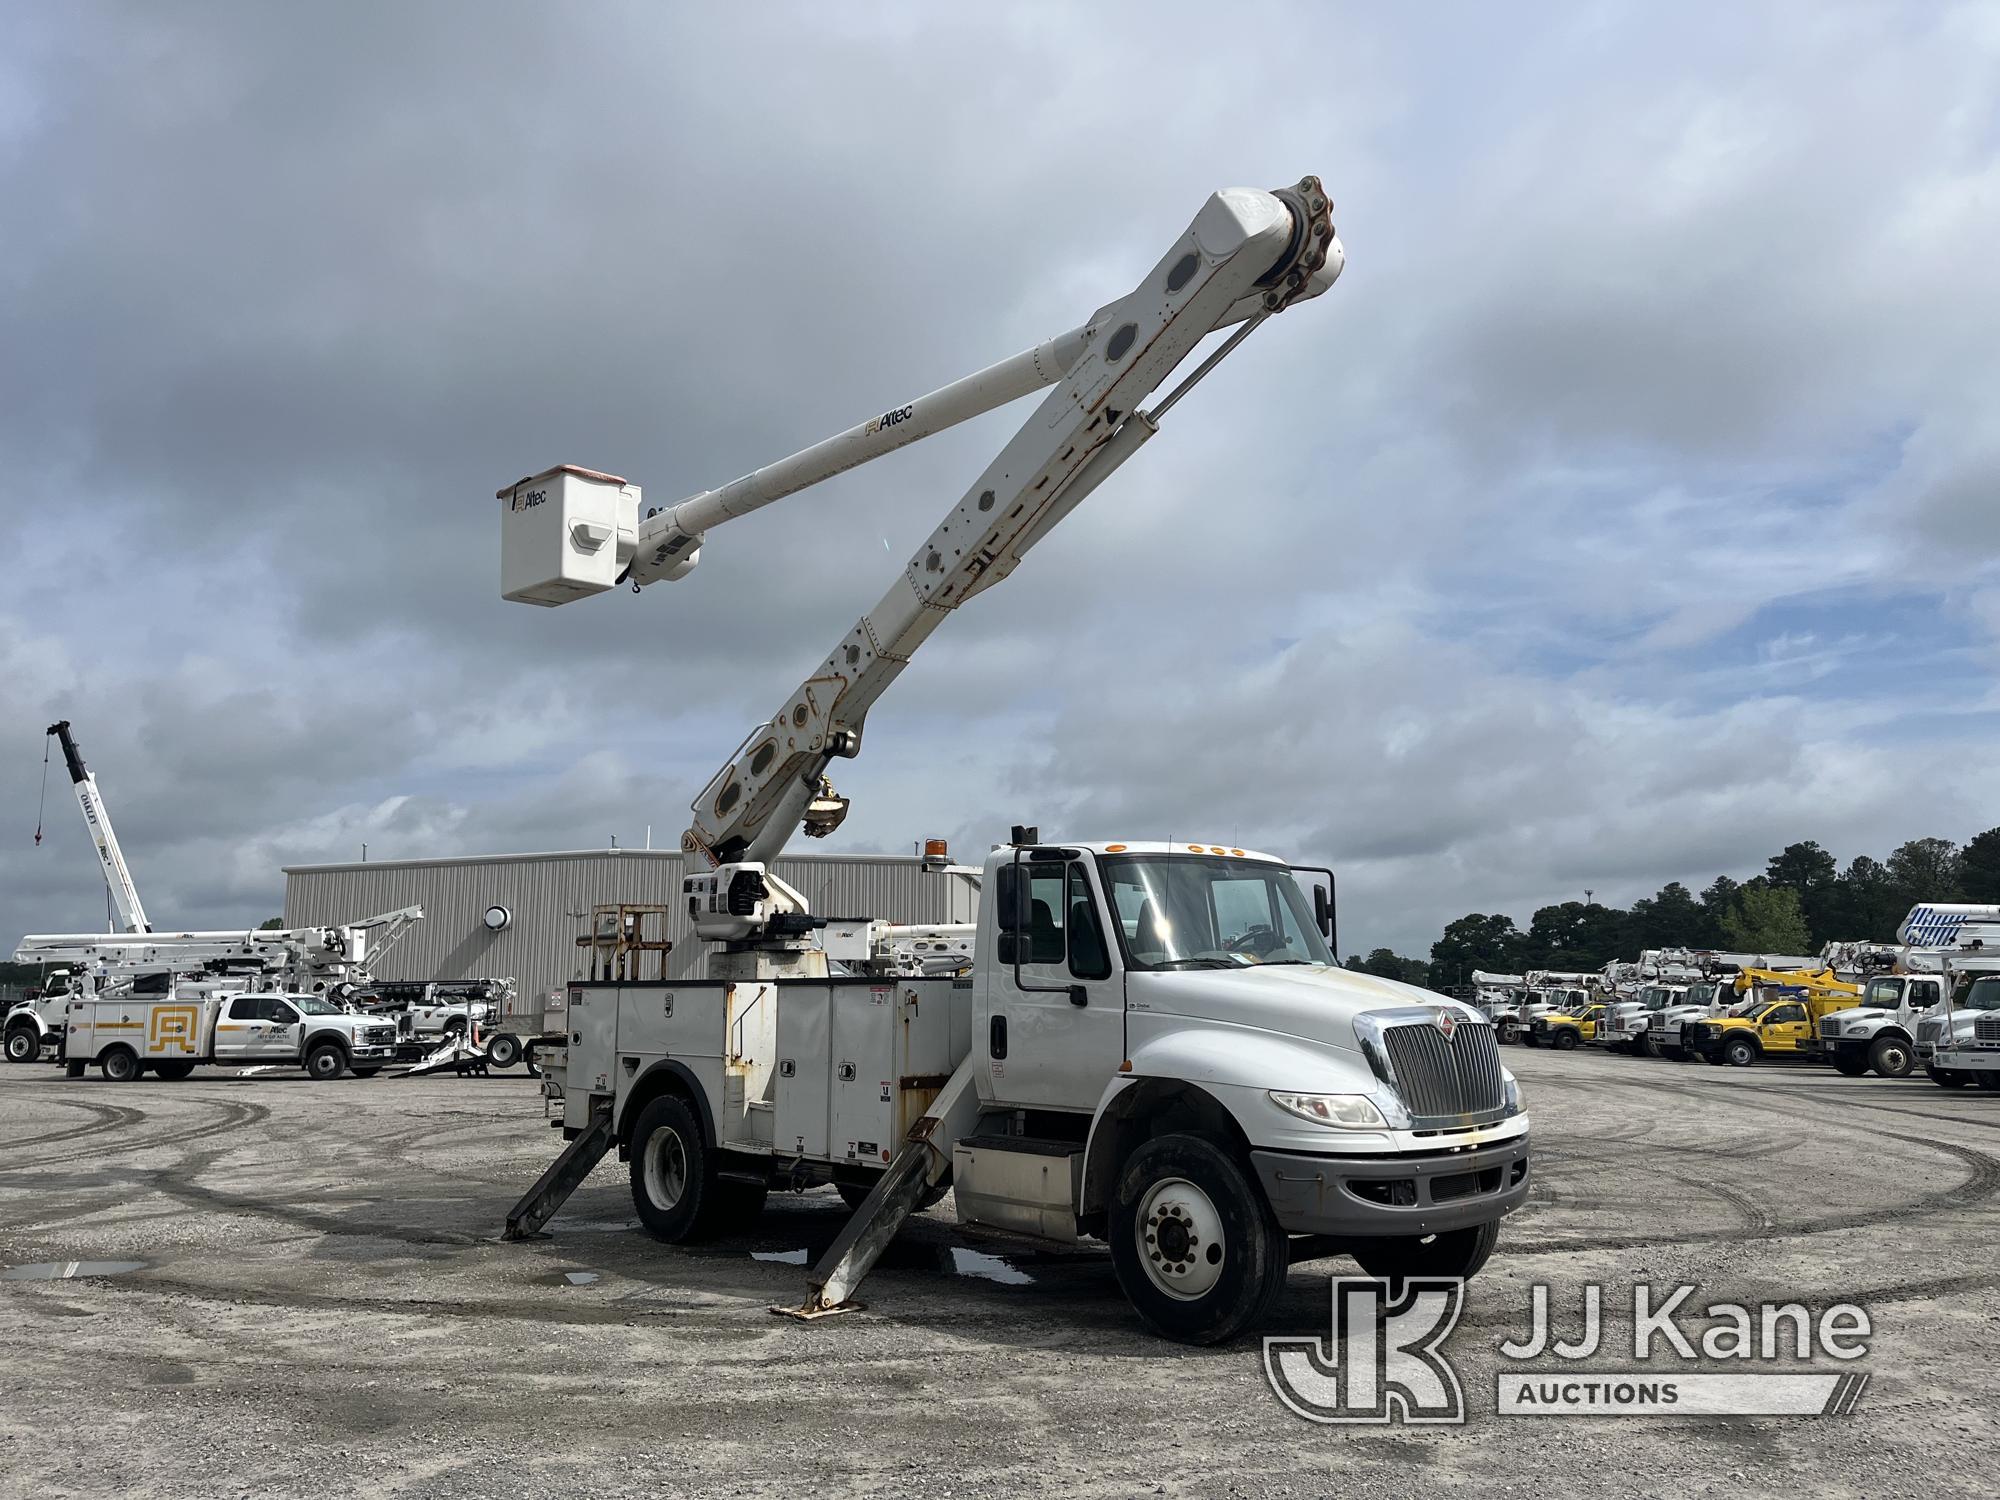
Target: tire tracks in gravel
x=235 y=1116
x=1981 y=1184
x=107 y=1117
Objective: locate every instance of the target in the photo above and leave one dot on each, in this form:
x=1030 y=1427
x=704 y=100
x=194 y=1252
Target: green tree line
x=1803 y=900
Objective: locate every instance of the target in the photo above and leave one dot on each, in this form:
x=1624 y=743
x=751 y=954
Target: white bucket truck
x=1959 y=1043
x=1154 y=1045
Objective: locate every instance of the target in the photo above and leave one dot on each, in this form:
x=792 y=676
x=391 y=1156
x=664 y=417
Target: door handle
x=996 y=1038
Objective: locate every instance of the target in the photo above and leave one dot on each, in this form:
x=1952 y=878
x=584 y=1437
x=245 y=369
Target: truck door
x=1784 y=1028
x=281 y=1042
x=1055 y=1012
x=241 y=1027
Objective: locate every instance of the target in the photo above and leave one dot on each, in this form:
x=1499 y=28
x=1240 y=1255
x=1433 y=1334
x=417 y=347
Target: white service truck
x=1154 y=1048
x=1959 y=1042
x=129 y=1035
x=1154 y=1044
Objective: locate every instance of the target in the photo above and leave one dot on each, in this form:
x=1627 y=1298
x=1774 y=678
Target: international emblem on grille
x=1446 y=1023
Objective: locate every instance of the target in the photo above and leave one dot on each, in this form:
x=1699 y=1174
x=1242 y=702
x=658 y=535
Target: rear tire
x=1193 y=1242
x=673 y=1173
x=1848 y=1065
x=24 y=1043
x=120 y=1065
x=173 y=1072
x=325 y=1063
x=1456 y=1252
x=504 y=1051
x=1892 y=1057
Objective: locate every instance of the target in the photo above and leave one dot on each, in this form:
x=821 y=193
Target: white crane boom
x=569 y=532
x=124 y=894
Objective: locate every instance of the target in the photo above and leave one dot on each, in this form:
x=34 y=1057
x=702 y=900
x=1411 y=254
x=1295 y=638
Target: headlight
x=1517 y=1102
x=1342 y=1111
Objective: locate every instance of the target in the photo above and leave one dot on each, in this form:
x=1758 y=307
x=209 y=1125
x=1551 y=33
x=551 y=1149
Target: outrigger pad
x=811 y=1314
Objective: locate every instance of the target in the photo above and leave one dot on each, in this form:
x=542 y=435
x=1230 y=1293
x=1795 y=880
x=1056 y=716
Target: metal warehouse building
x=548 y=898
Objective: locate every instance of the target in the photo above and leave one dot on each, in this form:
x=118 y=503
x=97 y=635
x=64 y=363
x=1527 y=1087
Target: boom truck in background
x=1900 y=985
x=1959 y=1042
x=156 y=968
x=1154 y=1045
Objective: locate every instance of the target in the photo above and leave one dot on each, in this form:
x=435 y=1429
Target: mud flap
x=564 y=1176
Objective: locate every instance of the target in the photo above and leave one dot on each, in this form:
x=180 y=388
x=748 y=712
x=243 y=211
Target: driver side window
x=1784 y=1013
x=282 y=1014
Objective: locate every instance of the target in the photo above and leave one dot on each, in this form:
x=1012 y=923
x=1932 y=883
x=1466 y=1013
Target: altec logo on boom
x=1385 y=1362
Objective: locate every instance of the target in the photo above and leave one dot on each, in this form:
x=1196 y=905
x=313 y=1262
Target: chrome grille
x=1986 y=1029
x=1441 y=1079
x=1829 y=1028
x=1930 y=1029
x=380 y=1036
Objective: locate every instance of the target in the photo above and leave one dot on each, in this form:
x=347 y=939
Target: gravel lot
x=326 y=1308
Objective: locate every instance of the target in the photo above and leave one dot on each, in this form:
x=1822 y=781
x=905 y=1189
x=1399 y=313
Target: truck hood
x=1315 y=1004
x=1860 y=1013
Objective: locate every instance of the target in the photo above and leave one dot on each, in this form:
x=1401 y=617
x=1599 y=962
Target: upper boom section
x=569 y=532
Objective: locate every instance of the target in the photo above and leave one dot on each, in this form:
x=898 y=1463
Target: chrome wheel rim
x=1180 y=1240
x=666 y=1168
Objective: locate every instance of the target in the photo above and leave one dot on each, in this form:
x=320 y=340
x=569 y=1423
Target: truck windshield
x=1982 y=993
x=312 y=1005
x=1188 y=911
x=1884 y=994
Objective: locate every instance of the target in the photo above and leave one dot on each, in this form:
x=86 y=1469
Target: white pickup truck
x=1154 y=1047
x=169 y=1035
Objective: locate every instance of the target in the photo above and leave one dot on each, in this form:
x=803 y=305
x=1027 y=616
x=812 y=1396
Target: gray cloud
x=1646 y=327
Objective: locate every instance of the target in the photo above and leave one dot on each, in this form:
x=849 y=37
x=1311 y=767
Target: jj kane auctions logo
x=1384 y=1358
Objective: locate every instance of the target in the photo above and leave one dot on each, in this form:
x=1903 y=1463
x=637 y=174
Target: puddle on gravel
x=782 y=1257
x=570 y=1278
x=71 y=1270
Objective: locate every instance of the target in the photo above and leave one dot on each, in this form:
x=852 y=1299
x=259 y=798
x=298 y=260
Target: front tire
x=1947 y=1078
x=1989 y=1081
x=23 y=1044
x=1564 y=1040
x=325 y=1063
x=1456 y=1252
x=367 y=1072
x=1849 y=1065
x=1653 y=1047
x=1891 y=1057
x=1193 y=1242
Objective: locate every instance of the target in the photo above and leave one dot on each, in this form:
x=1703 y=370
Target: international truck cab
x=1960 y=1041
x=1879 y=1035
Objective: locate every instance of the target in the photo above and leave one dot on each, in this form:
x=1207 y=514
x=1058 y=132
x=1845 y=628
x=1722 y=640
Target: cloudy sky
x=1627 y=511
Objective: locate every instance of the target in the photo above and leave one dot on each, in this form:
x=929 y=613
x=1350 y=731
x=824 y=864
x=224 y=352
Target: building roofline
x=571 y=854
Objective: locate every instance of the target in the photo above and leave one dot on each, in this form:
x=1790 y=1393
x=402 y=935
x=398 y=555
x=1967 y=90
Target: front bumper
x=1960 y=1057
x=1394 y=1195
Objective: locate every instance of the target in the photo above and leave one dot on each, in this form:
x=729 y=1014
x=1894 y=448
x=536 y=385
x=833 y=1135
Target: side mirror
x=1010 y=913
